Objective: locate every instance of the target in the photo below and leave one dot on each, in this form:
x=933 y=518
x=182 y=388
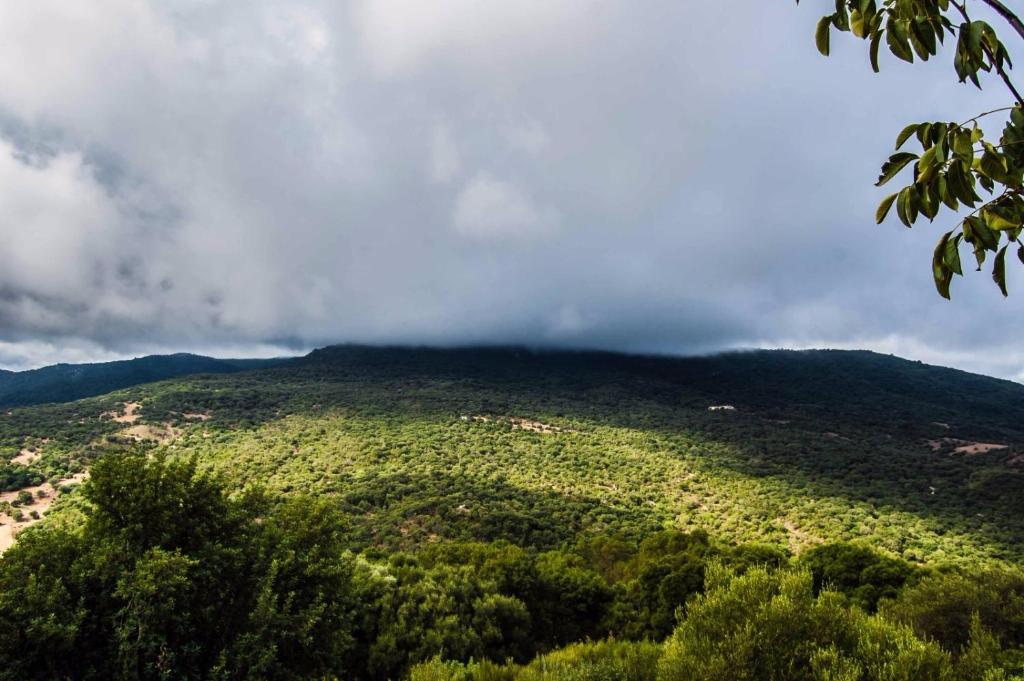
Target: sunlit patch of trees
x=171 y=576
x=339 y=518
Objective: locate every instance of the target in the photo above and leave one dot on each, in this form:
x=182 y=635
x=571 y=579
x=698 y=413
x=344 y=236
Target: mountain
x=402 y=504
x=818 y=444
x=66 y=382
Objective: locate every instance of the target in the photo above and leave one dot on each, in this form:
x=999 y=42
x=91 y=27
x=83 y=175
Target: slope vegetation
x=67 y=382
x=379 y=513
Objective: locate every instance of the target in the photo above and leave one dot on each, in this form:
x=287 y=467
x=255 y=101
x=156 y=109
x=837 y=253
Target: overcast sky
x=253 y=177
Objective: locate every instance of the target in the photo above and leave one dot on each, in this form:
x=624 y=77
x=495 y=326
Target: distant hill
x=838 y=386
x=67 y=382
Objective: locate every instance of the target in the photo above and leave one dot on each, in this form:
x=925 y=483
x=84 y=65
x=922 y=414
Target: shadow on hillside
x=847 y=425
x=403 y=511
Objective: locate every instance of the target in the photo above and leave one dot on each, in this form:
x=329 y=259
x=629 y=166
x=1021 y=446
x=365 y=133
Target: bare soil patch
x=149 y=432
x=979 y=448
x=521 y=424
x=965 y=446
x=9 y=527
x=129 y=413
x=27 y=456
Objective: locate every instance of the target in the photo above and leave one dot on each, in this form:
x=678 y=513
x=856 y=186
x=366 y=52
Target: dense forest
x=503 y=514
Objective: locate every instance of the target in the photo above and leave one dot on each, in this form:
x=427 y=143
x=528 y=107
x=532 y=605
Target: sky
x=262 y=177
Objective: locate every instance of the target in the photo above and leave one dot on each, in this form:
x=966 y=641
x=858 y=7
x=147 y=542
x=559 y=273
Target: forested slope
x=498 y=503
x=67 y=382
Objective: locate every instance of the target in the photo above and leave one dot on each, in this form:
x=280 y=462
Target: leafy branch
x=956 y=159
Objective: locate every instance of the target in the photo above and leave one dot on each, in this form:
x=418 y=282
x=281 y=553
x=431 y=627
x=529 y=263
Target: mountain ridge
x=65 y=382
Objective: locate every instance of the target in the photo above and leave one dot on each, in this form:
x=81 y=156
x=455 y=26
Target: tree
x=957 y=158
x=863 y=575
x=171 y=577
x=770 y=625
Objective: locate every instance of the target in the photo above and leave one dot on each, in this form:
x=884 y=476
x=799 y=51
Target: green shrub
x=597 y=661
x=770 y=626
x=862 y=574
x=941 y=607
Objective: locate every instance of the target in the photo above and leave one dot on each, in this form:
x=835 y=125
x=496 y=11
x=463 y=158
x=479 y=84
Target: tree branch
x=1005 y=13
x=991 y=57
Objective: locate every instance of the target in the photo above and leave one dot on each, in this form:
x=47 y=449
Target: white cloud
x=401 y=35
x=57 y=223
x=490 y=208
x=267 y=173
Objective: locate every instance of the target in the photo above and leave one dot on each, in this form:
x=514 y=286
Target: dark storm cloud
x=267 y=176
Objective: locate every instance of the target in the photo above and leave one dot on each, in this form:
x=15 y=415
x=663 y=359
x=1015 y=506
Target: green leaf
x=975 y=32
x=983 y=236
x=896 y=38
x=945 y=195
x=894 y=165
x=821 y=34
x=876 y=40
x=942 y=142
x=996 y=222
x=883 y=208
x=960 y=184
x=919 y=48
x=993 y=163
x=924 y=134
x=857 y=23
x=999 y=270
x=1020 y=253
x=927 y=166
x=905 y=134
x=971 y=226
x=951 y=256
x=924 y=33
x=963 y=147
x=942 y=274
x=841 y=18
x=906 y=206
x=929 y=202
x=1017 y=117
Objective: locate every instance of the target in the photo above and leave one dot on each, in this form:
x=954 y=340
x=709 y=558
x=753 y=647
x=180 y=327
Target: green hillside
x=821 y=445
x=67 y=382
x=606 y=477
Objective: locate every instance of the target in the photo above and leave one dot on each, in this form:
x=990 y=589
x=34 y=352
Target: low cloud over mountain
x=252 y=176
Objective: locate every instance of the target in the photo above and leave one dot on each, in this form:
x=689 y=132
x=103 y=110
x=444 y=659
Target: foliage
x=941 y=606
x=362 y=511
x=765 y=625
x=215 y=592
x=598 y=661
x=862 y=574
x=956 y=158
x=15 y=477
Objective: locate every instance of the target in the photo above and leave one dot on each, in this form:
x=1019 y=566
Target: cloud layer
x=255 y=176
